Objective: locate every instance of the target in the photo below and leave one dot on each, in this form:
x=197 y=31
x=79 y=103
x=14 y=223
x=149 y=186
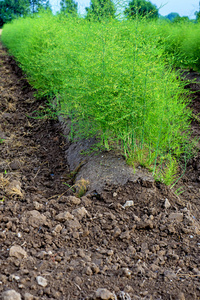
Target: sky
x=182 y=7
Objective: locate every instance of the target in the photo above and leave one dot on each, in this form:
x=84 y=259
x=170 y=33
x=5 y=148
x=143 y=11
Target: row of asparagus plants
x=114 y=80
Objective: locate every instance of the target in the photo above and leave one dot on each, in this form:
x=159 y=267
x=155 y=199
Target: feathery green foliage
x=113 y=80
x=181 y=43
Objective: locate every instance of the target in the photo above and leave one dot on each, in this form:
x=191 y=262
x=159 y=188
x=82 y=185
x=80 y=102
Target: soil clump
x=134 y=241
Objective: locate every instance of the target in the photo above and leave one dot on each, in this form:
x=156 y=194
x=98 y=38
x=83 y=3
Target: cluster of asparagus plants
x=114 y=80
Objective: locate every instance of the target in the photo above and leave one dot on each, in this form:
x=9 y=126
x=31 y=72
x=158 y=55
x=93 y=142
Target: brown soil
x=149 y=250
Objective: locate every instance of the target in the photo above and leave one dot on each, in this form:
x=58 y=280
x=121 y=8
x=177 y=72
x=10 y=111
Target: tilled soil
x=57 y=246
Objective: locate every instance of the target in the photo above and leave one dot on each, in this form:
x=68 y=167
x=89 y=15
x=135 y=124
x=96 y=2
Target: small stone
x=21 y=286
x=125 y=235
x=155 y=248
x=196 y=271
x=105 y=268
x=47 y=291
x=131 y=250
x=163 y=244
x=174 y=256
x=126 y=272
x=37 y=205
x=3 y=278
x=64 y=216
x=23 y=280
x=136 y=218
x=105 y=242
x=15 y=165
x=88 y=271
x=9 y=225
x=110 y=252
x=181 y=296
x=11 y=295
x=118 y=207
x=18 y=252
x=104 y=294
x=56 y=294
x=73 y=224
x=25 y=271
x=76 y=235
x=95 y=268
x=176 y=217
x=128 y=289
x=144 y=248
x=139 y=269
x=117 y=232
x=78 y=280
x=36 y=219
x=87 y=258
x=167 y=203
x=171 y=228
x=145 y=225
x=81 y=253
x=80 y=212
x=14 y=277
x=41 y=281
x=28 y=296
x=57 y=229
x=128 y=204
x=114 y=194
x=86 y=201
x=73 y=200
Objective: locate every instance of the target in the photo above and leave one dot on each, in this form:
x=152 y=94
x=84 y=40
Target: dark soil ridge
x=149 y=250
x=99 y=169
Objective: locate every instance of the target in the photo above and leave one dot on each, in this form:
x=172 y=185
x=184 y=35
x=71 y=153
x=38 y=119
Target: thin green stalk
x=144 y=109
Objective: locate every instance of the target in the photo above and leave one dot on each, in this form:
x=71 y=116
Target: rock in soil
x=104 y=294
x=17 y=252
x=11 y=295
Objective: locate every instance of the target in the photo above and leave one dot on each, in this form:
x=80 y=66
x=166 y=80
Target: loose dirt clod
x=17 y=252
x=11 y=295
x=14 y=189
x=104 y=294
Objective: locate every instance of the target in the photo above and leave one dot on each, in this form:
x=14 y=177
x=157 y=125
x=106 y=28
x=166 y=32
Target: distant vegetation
x=100 y=10
x=141 y=8
x=69 y=8
x=12 y=9
x=97 y=11
x=172 y=16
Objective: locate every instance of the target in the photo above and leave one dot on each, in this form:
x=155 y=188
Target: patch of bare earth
x=137 y=241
